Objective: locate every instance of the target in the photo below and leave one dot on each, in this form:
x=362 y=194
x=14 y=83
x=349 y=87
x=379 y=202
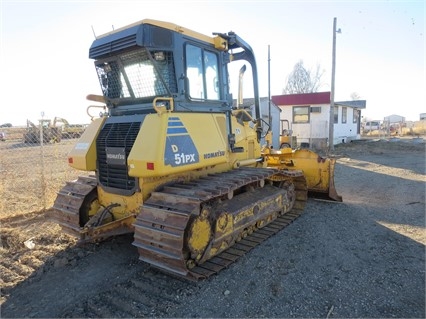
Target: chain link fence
x=400 y=129
x=34 y=165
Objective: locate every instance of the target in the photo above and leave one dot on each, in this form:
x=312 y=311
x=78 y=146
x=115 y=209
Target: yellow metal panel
x=83 y=155
x=219 y=42
x=245 y=137
x=128 y=205
x=171 y=143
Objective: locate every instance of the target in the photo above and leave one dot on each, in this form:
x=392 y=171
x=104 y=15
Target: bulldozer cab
x=45 y=123
x=178 y=71
x=157 y=69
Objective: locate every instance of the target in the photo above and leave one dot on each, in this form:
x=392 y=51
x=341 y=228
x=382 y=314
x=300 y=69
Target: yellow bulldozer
x=173 y=161
x=46 y=132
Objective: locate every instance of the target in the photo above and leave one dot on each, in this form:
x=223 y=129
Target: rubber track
x=160 y=240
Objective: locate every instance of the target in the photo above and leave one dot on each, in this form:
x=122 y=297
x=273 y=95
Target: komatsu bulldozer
x=171 y=159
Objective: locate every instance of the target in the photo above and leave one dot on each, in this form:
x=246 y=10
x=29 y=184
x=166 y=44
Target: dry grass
x=31 y=175
x=416 y=129
x=13 y=133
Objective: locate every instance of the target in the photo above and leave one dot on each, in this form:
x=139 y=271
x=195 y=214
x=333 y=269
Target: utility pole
x=333 y=75
x=269 y=88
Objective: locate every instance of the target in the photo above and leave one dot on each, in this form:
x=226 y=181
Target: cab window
x=202 y=73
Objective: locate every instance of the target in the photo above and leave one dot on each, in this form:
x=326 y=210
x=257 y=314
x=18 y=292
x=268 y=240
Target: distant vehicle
x=371 y=126
x=51 y=133
x=6 y=125
x=2 y=136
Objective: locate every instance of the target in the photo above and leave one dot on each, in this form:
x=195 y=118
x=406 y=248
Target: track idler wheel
x=291 y=195
x=89 y=208
x=200 y=234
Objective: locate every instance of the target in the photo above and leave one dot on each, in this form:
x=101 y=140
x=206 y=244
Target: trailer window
x=355 y=116
x=344 y=114
x=301 y=114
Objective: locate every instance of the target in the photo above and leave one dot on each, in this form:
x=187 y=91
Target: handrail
x=160 y=109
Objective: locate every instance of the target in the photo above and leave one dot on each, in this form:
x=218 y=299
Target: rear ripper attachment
x=196 y=229
x=77 y=210
x=70 y=202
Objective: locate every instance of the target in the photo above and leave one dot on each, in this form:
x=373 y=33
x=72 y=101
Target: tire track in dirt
x=95 y=280
x=148 y=294
x=35 y=251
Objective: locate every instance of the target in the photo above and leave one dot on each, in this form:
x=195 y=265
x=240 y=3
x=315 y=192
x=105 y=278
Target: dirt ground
x=361 y=258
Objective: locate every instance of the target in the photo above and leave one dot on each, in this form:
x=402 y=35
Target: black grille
x=116 y=136
x=119 y=44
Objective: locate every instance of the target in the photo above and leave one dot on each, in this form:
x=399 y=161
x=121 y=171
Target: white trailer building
x=309 y=115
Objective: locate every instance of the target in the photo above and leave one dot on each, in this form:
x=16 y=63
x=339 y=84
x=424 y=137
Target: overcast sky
x=380 y=52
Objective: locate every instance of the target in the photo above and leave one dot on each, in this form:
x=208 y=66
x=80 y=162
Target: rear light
x=150 y=166
x=70 y=160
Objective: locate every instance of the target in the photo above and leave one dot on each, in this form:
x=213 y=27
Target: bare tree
x=301 y=80
x=355 y=96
